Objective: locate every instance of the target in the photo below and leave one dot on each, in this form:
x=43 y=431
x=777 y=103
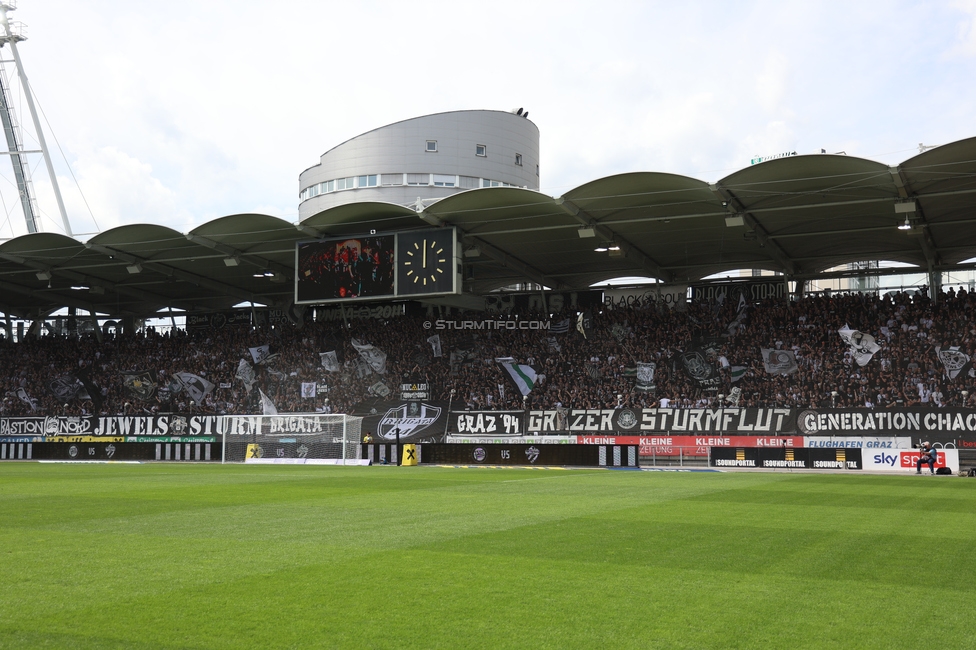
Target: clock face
x=425 y=262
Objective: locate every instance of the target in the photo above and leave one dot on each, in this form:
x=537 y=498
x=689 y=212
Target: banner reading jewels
x=153 y=426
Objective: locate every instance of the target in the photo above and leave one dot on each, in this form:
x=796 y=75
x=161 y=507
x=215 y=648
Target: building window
x=469 y=182
x=432 y=146
x=392 y=179
x=537 y=170
x=418 y=179
x=367 y=181
x=442 y=180
x=518 y=159
x=481 y=150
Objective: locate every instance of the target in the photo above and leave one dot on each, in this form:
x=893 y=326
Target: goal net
x=293 y=437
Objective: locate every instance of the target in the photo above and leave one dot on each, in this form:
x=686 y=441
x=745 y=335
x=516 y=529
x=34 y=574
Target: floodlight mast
x=14 y=145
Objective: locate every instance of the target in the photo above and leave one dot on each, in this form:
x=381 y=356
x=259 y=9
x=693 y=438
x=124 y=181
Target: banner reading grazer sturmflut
x=726 y=420
x=938 y=424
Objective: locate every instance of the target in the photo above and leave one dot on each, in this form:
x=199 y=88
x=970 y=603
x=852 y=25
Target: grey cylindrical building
x=425 y=158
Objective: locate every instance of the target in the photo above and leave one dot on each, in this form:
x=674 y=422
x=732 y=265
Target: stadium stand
x=902 y=365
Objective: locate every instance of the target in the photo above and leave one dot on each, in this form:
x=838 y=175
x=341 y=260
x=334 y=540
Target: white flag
x=261 y=354
x=862 y=345
x=246 y=374
x=372 y=355
x=267 y=406
x=308 y=389
x=779 y=362
x=24 y=397
x=329 y=361
x=953 y=360
x=435 y=343
x=195 y=386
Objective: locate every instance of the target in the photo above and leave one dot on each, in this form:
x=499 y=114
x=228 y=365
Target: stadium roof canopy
x=797 y=215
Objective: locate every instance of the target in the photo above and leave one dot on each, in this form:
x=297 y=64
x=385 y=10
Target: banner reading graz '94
x=501 y=423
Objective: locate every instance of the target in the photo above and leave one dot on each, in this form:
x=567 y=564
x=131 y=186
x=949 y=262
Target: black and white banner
x=416 y=421
x=699 y=368
x=218 y=320
x=330 y=361
x=139 y=385
x=372 y=355
x=67 y=388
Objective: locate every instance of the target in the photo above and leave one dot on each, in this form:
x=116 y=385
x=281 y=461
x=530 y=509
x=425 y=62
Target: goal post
x=298 y=436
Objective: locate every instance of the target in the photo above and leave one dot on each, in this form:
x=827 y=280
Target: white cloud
x=965 y=44
x=186 y=116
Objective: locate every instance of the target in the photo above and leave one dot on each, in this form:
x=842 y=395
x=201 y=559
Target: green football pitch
x=235 y=556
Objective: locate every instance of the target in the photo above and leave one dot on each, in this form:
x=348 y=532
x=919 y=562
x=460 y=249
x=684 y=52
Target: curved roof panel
x=798 y=215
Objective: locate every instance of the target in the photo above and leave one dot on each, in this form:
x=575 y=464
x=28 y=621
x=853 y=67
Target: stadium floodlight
x=905 y=226
x=232 y=261
x=734 y=220
x=134 y=268
x=44 y=276
x=585 y=232
x=905 y=206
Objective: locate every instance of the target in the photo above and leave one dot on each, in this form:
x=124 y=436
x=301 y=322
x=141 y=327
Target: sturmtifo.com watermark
x=491 y=324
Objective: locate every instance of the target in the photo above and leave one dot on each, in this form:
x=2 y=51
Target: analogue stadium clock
x=425 y=262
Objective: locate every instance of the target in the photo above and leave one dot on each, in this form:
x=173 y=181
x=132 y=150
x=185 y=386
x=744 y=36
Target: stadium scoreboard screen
x=408 y=264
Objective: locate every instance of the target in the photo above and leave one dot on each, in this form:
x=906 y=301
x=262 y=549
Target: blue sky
x=177 y=114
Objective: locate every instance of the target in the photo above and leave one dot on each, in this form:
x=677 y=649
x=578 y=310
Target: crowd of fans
x=594 y=368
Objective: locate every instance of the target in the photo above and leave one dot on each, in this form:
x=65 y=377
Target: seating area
x=593 y=368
